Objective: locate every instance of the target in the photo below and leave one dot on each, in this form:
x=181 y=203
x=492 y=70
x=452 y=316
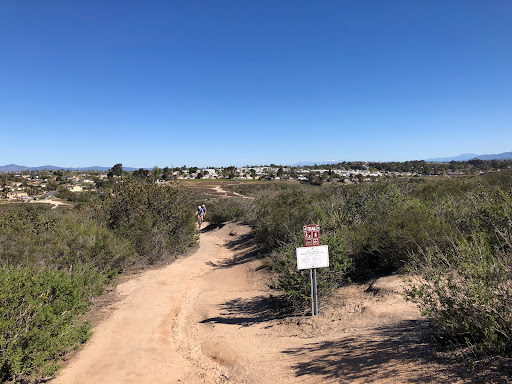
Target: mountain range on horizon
x=463 y=157
x=21 y=168
x=469 y=156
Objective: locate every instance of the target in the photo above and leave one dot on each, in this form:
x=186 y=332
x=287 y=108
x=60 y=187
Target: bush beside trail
x=157 y=220
x=222 y=210
x=370 y=229
x=467 y=291
x=40 y=318
x=467 y=286
x=37 y=238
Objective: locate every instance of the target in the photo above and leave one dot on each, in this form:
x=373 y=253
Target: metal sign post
x=314 y=294
x=312 y=256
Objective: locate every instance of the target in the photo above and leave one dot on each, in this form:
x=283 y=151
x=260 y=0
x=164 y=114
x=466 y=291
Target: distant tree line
x=427 y=168
x=420 y=166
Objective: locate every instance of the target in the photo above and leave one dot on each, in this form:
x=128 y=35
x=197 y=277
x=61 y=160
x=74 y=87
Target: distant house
x=75 y=188
x=17 y=195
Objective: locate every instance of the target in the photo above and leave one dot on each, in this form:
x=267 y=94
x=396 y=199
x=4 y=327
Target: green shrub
x=468 y=291
x=158 y=220
x=223 y=210
x=41 y=238
x=80 y=197
x=40 y=318
x=278 y=221
x=467 y=286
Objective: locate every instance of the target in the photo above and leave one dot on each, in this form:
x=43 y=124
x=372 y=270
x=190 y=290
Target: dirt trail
x=206 y=319
x=219 y=190
x=55 y=203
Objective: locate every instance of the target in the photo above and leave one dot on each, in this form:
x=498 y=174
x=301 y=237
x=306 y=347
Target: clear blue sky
x=148 y=83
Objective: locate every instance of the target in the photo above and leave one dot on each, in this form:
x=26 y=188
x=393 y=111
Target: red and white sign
x=311 y=235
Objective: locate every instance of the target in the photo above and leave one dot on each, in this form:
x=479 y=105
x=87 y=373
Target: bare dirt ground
x=214 y=188
x=218 y=190
x=54 y=202
x=207 y=318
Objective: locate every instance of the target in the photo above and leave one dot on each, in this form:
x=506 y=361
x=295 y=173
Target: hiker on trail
x=200 y=216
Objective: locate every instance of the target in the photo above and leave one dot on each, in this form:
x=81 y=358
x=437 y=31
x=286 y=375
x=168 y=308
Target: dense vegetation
x=424 y=167
x=454 y=234
x=54 y=262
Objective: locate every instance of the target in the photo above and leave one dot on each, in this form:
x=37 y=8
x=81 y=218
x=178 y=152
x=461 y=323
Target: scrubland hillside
x=453 y=236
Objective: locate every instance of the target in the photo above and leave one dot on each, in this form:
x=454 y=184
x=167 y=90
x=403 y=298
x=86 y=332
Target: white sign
x=312 y=257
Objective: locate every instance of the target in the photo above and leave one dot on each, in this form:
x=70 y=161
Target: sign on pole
x=311 y=235
x=312 y=256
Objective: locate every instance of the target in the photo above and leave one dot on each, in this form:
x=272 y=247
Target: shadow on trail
x=247 y=251
x=249 y=312
x=366 y=358
x=210 y=227
x=243 y=242
x=400 y=351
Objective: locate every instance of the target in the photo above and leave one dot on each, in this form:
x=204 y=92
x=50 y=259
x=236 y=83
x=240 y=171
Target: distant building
x=75 y=188
x=17 y=195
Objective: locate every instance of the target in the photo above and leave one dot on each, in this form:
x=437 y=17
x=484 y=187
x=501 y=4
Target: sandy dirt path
x=55 y=203
x=219 y=190
x=207 y=319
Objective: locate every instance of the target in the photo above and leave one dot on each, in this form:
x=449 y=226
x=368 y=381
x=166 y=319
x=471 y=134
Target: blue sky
x=216 y=83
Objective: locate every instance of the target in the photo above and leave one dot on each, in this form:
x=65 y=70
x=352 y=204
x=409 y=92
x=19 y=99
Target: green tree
x=156 y=172
x=117 y=170
x=141 y=174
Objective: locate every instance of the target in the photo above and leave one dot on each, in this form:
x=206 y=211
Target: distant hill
x=463 y=157
x=13 y=168
x=20 y=168
x=469 y=156
x=500 y=156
